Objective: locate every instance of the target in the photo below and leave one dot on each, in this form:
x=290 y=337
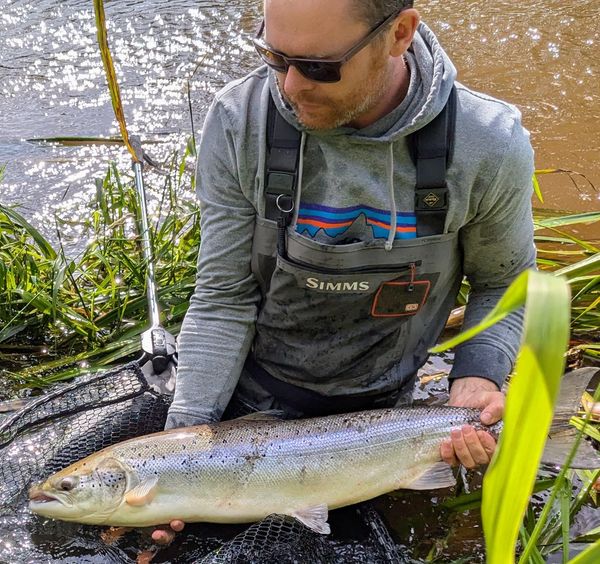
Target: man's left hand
x=468 y=446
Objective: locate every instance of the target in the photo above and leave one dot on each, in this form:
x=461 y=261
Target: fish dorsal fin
x=440 y=475
x=143 y=493
x=270 y=415
x=314 y=517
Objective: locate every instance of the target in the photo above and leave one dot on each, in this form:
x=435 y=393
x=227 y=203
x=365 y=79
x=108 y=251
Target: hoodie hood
x=432 y=76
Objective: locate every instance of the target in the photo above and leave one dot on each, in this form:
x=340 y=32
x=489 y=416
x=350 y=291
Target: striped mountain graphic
x=337 y=222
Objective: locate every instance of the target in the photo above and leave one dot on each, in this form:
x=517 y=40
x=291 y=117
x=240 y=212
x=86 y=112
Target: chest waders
x=336 y=318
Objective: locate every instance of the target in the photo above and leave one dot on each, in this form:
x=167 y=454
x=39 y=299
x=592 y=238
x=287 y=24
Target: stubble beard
x=355 y=105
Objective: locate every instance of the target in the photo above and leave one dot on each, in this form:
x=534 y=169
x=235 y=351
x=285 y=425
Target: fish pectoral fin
x=440 y=475
x=315 y=518
x=143 y=493
x=268 y=415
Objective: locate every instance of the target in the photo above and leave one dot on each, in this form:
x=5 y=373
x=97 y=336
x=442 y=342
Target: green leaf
x=590 y=555
x=537 y=189
x=512 y=300
x=562 y=221
x=579 y=268
x=39 y=239
x=529 y=404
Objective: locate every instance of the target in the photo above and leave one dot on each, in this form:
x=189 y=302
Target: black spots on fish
x=252 y=458
x=303 y=472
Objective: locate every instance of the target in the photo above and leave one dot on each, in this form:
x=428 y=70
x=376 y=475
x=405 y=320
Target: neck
x=394 y=94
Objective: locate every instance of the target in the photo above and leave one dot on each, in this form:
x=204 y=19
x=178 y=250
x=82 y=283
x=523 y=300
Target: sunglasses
x=318 y=70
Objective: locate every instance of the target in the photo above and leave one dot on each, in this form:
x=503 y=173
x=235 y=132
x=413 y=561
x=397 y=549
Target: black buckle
x=280 y=183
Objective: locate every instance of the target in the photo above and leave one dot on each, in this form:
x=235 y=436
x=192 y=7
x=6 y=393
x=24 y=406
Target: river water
x=543 y=56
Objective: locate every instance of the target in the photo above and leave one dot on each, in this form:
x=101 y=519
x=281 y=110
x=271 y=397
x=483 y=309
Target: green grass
x=91 y=308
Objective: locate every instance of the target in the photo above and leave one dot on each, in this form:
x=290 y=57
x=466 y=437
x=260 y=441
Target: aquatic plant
x=510 y=479
x=57 y=312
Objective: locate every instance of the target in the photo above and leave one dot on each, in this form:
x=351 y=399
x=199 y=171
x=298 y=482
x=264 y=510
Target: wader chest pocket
x=399 y=299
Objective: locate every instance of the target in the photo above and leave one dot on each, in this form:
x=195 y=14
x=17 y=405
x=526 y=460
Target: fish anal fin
x=314 y=517
x=143 y=493
x=440 y=475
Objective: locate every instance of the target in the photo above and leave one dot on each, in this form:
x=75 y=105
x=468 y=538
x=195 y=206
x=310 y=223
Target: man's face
x=316 y=29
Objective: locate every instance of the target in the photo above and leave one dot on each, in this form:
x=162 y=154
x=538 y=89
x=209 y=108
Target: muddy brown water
x=542 y=55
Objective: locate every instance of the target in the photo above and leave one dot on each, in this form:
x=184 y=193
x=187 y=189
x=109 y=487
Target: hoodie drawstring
x=393 y=215
x=299 y=179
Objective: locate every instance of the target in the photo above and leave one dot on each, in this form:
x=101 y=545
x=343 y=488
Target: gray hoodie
x=365 y=175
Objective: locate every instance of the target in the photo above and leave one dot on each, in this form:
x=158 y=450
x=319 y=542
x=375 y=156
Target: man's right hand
x=165 y=536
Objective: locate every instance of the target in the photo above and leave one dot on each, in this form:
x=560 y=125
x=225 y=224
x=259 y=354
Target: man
x=363 y=279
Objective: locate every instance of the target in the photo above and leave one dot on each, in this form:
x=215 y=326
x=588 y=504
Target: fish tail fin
x=562 y=435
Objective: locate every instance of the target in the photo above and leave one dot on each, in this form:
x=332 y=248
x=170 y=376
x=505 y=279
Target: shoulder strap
x=281 y=174
x=432 y=150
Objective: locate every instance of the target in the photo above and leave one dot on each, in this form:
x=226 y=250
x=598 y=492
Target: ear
x=404 y=29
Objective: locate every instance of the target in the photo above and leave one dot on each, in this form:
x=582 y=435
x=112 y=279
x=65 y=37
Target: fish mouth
x=40 y=498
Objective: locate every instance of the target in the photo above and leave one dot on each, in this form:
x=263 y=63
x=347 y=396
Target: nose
x=294 y=82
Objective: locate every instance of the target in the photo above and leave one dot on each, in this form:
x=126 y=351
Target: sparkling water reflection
x=541 y=55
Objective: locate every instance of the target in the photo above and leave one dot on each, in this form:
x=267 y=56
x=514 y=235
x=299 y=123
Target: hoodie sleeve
x=218 y=328
x=497 y=246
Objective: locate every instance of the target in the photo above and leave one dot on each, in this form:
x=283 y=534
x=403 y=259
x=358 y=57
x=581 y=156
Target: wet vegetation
x=61 y=313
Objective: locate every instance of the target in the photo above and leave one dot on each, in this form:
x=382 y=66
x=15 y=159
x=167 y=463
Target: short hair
x=373 y=12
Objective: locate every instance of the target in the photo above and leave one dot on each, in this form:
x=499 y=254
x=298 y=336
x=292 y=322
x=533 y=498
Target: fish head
x=86 y=492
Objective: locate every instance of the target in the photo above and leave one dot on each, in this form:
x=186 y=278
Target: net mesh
x=277 y=538
x=74 y=420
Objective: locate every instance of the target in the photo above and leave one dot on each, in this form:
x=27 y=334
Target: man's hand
x=467 y=446
x=165 y=536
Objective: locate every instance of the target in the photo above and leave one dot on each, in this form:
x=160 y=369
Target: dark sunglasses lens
x=272 y=59
x=319 y=71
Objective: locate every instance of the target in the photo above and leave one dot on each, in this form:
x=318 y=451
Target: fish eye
x=67 y=484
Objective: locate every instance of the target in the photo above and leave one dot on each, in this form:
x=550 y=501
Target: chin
x=53 y=510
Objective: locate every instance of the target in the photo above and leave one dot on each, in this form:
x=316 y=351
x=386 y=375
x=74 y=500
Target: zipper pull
x=413 y=274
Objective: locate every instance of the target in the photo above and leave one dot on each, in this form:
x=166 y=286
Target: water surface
x=541 y=55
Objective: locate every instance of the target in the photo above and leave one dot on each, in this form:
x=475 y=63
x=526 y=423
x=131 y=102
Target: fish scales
x=243 y=470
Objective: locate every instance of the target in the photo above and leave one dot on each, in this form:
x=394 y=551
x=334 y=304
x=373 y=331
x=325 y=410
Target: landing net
x=72 y=421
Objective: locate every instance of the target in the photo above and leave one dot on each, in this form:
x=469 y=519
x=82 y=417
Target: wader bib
x=360 y=301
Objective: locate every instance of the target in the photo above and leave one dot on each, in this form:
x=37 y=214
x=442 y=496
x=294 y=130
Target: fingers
x=493 y=409
x=468 y=447
x=165 y=535
x=447 y=453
